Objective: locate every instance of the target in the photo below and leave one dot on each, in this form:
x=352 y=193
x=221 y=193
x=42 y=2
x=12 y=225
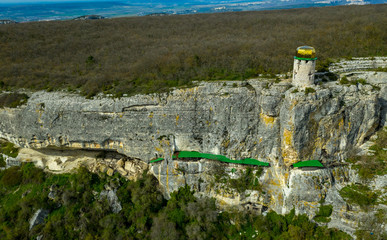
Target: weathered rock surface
x=10 y=161
x=357 y=63
x=38 y=217
x=112 y=199
x=271 y=122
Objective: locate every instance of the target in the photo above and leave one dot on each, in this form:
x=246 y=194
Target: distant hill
x=61 y=10
x=89 y=17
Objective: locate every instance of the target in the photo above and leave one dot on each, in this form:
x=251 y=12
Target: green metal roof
x=193 y=154
x=308 y=59
x=310 y=163
x=157 y=160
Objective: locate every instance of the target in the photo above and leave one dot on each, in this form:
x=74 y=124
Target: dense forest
x=77 y=209
x=154 y=53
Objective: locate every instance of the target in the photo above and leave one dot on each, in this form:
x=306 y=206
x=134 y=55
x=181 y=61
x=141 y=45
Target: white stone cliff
x=260 y=119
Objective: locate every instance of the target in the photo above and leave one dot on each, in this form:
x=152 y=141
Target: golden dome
x=305 y=52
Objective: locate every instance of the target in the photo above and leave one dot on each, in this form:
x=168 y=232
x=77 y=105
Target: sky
x=48 y=1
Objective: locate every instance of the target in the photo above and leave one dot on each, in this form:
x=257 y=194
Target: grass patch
x=370 y=166
x=324 y=213
x=8 y=149
x=309 y=90
x=12 y=100
x=360 y=195
x=344 y=81
x=2 y=161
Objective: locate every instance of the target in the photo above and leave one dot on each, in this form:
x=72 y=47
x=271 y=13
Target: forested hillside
x=149 y=54
x=76 y=209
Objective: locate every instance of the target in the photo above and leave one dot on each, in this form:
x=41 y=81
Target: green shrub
x=12 y=100
x=32 y=174
x=331 y=76
x=11 y=177
x=370 y=165
x=309 y=90
x=247 y=181
x=324 y=213
x=90 y=60
x=2 y=161
x=360 y=195
x=8 y=149
x=361 y=81
x=323 y=66
x=380 y=69
x=344 y=80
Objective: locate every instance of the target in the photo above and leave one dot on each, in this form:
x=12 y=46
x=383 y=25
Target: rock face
x=260 y=119
x=277 y=125
x=112 y=200
x=357 y=64
x=38 y=217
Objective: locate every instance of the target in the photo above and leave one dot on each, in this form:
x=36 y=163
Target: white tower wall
x=303 y=72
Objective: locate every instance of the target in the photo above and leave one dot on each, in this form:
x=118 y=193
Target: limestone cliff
x=258 y=118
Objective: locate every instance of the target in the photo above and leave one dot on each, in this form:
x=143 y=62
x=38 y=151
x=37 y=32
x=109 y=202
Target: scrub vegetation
x=8 y=149
x=76 y=211
x=12 y=100
x=369 y=166
x=154 y=53
x=324 y=213
x=360 y=195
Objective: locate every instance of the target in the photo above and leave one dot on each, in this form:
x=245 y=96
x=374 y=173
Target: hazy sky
x=40 y=1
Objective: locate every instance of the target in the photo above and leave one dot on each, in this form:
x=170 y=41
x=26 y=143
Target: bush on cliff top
x=12 y=100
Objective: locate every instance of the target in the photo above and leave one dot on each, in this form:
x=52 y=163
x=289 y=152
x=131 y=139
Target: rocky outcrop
x=38 y=217
x=275 y=124
x=112 y=200
x=356 y=64
x=258 y=118
x=7 y=21
x=9 y=161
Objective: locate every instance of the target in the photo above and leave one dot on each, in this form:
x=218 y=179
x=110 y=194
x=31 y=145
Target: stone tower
x=304 y=66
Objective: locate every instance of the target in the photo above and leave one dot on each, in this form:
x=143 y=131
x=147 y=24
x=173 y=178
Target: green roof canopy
x=310 y=163
x=157 y=160
x=189 y=154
